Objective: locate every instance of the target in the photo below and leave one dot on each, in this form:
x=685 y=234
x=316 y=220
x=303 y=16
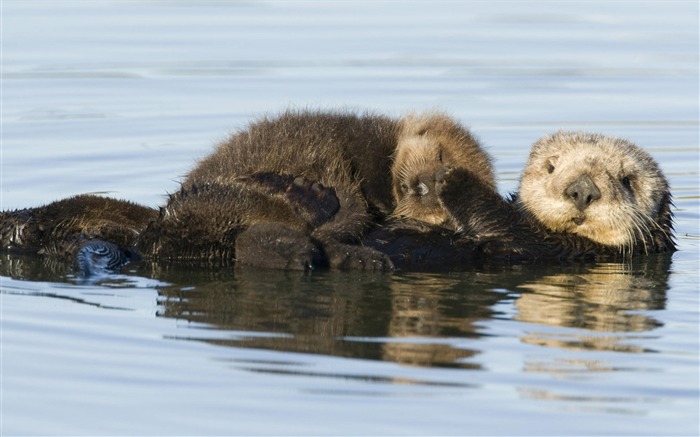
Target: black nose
x=423 y=185
x=583 y=192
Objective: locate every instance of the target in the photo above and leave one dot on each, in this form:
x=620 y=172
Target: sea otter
x=581 y=197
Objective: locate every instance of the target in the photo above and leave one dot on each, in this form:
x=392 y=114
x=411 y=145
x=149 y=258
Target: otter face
x=418 y=160
x=602 y=188
x=426 y=145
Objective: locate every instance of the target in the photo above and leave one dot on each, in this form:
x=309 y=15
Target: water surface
x=122 y=97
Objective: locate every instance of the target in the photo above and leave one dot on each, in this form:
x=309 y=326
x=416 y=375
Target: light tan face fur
x=426 y=145
x=630 y=184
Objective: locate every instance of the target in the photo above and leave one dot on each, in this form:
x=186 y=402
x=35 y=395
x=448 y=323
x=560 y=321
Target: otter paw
x=349 y=257
x=312 y=200
x=443 y=178
x=457 y=182
x=275 y=246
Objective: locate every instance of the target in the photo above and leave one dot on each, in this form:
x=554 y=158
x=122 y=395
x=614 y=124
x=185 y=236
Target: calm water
x=122 y=97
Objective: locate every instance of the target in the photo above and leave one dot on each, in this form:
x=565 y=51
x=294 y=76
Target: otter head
x=426 y=145
x=602 y=188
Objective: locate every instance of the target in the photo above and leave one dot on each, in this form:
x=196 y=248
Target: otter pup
x=581 y=197
x=425 y=145
x=353 y=154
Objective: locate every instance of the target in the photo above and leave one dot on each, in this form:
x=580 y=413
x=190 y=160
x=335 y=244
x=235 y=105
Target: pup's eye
x=550 y=168
x=404 y=188
x=627 y=183
x=440 y=155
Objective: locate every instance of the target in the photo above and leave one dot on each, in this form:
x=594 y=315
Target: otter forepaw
x=445 y=176
x=441 y=174
x=459 y=183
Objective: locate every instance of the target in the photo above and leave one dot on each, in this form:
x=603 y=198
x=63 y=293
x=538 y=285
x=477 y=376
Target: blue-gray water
x=122 y=97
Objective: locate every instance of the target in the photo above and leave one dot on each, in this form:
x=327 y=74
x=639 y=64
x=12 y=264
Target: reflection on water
x=403 y=319
x=612 y=298
x=413 y=319
x=602 y=304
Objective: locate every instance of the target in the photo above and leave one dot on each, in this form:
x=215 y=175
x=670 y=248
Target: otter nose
x=583 y=191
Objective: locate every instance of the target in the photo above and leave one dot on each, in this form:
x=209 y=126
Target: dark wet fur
x=61 y=227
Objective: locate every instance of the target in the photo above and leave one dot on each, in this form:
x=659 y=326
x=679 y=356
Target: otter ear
x=551 y=163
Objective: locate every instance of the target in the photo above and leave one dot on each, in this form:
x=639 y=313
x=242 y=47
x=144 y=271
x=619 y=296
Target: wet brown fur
x=348 y=152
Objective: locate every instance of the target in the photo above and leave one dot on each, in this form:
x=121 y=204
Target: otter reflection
x=607 y=297
x=33 y=268
x=417 y=319
x=411 y=319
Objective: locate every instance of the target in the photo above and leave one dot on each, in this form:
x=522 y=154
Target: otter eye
x=404 y=188
x=627 y=183
x=440 y=155
x=550 y=168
